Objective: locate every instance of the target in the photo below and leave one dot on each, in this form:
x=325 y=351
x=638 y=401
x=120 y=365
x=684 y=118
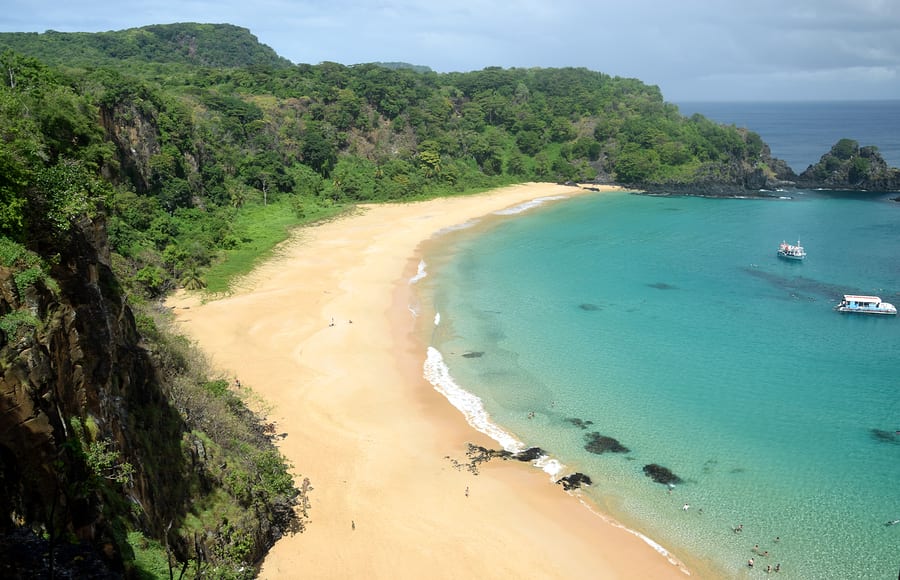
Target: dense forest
x=139 y=161
x=182 y=130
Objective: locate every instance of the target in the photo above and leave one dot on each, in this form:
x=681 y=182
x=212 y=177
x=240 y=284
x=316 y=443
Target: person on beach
x=467 y=491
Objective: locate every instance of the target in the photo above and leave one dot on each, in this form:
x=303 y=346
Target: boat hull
x=867 y=311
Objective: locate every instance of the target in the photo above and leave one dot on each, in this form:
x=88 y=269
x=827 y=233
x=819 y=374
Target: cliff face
x=739 y=176
x=135 y=138
x=74 y=381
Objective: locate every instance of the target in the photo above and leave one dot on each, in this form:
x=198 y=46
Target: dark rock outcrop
x=849 y=167
x=530 y=454
x=574 y=481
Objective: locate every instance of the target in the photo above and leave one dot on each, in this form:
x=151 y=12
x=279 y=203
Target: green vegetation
x=193 y=151
x=193 y=127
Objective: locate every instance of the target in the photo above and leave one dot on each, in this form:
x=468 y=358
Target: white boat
x=791 y=252
x=865 y=305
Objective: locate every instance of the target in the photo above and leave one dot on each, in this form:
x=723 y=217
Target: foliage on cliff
x=107 y=424
x=849 y=166
x=110 y=424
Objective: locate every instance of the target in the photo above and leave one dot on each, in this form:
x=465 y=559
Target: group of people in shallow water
x=765 y=553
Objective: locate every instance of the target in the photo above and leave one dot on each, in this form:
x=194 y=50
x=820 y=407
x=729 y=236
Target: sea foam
x=420 y=272
x=437 y=373
x=522 y=207
x=455 y=228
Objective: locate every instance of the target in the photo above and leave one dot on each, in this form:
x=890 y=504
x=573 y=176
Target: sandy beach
x=324 y=337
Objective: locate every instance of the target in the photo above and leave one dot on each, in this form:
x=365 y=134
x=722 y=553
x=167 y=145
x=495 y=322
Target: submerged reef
x=660 y=474
x=580 y=423
x=597 y=443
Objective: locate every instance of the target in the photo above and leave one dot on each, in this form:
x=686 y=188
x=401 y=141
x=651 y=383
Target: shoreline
x=324 y=336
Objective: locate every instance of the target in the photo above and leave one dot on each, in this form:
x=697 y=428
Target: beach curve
x=324 y=336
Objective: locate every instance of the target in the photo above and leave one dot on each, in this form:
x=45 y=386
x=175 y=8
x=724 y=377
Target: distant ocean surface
x=800 y=133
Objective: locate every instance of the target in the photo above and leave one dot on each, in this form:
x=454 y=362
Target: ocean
x=800 y=133
x=668 y=325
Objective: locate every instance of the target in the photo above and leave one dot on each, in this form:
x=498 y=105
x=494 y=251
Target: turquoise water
x=671 y=325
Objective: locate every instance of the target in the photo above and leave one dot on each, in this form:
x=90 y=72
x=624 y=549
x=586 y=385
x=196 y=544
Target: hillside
x=209 y=45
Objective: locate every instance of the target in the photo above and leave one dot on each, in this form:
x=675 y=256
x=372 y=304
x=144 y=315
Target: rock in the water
x=530 y=454
x=574 y=481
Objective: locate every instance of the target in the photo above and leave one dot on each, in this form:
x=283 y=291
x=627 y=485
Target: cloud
x=685 y=47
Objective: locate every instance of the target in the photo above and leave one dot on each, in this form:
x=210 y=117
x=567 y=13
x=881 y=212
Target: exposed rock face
x=135 y=137
x=133 y=124
x=83 y=361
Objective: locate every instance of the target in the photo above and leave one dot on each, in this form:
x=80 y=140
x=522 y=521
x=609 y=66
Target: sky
x=693 y=50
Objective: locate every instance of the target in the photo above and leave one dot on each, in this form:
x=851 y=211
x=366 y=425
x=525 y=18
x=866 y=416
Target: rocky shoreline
x=847 y=167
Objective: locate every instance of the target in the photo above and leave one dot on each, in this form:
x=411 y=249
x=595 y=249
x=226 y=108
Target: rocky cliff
x=739 y=176
x=96 y=441
x=76 y=382
x=849 y=167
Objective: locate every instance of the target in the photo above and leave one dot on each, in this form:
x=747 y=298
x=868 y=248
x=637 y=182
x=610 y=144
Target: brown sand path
x=372 y=435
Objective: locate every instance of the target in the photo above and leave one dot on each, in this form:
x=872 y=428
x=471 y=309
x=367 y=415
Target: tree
x=317 y=151
x=845 y=148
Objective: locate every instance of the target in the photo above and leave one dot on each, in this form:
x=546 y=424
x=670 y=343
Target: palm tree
x=191 y=280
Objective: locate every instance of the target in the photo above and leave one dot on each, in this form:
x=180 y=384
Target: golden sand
x=372 y=435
